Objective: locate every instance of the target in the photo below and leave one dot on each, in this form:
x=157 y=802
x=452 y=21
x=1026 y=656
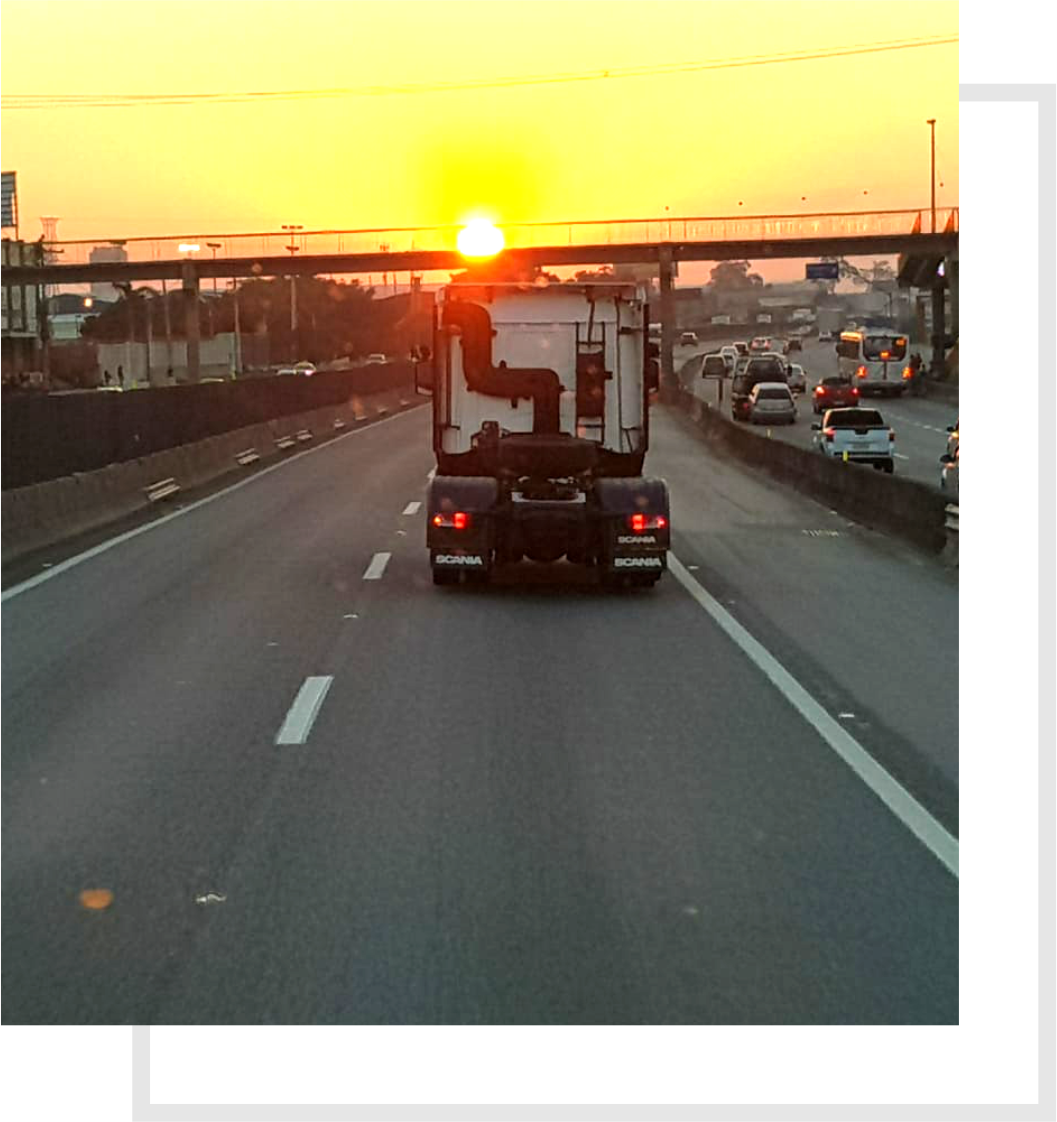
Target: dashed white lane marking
x=896 y=797
x=377 y=566
x=900 y=456
x=431 y=474
x=412 y=508
x=303 y=712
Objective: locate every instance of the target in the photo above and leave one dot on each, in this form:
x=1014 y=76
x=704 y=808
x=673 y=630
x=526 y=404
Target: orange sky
x=698 y=143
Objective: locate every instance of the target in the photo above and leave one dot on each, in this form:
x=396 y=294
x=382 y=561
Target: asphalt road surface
x=529 y=803
x=920 y=424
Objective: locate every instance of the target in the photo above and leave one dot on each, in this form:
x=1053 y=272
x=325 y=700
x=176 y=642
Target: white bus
x=875 y=359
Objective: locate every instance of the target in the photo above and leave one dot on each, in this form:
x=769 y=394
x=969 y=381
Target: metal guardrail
x=518 y=235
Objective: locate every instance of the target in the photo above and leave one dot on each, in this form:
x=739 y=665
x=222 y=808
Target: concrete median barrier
x=44 y=514
x=903 y=507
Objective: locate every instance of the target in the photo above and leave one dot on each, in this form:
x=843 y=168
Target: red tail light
x=891 y=434
x=855 y=391
x=457 y=520
x=819 y=390
x=861 y=371
x=829 y=434
x=907 y=372
x=640 y=523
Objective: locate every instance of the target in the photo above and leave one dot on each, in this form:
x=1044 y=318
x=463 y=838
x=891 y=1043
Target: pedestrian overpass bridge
x=190 y=259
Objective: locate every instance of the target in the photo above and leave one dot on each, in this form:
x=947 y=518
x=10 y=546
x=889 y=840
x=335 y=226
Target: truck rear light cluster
x=861 y=371
x=457 y=520
x=640 y=523
x=907 y=373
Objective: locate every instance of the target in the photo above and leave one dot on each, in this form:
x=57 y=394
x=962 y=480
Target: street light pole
x=148 y=303
x=238 y=330
x=293 y=247
x=168 y=329
x=931 y=122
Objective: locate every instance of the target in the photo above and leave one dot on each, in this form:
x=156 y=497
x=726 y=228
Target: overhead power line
x=125 y=101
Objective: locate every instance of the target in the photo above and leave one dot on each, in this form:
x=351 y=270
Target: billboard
x=8 y=200
x=823 y=270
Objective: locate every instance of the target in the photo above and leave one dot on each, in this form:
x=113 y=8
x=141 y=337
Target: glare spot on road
x=96 y=899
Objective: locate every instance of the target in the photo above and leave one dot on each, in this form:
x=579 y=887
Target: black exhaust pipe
x=540 y=385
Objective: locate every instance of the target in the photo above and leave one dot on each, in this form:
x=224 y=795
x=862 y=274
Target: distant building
x=19 y=320
x=106 y=255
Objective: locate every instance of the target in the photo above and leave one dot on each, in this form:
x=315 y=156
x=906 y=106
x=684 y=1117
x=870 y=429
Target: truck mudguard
x=461 y=492
x=632 y=496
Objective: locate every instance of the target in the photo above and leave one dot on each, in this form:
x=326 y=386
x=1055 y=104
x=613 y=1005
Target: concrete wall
x=216 y=360
x=900 y=506
x=44 y=514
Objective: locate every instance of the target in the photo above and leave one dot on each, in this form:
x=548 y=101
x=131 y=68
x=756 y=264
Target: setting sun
x=479 y=238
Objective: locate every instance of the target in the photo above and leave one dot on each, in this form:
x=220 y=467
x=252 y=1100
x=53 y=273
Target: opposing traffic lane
x=920 y=424
x=531 y=803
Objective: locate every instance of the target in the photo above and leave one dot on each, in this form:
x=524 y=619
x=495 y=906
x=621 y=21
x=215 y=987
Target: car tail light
x=891 y=434
x=829 y=434
x=640 y=523
x=819 y=390
x=457 y=520
x=861 y=371
x=855 y=391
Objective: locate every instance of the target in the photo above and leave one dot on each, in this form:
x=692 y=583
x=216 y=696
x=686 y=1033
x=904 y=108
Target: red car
x=832 y=393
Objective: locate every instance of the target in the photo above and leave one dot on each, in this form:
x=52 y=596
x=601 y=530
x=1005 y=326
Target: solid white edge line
x=70 y=562
x=896 y=797
x=412 y=508
x=302 y=714
x=377 y=566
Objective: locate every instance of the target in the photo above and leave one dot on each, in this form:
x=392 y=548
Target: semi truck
x=541 y=399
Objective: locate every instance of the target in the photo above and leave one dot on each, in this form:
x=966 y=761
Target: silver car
x=772 y=403
x=797 y=378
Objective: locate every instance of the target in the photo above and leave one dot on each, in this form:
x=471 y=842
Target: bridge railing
x=524 y=235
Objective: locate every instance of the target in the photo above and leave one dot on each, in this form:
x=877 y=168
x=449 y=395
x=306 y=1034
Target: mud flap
x=459 y=529
x=636 y=527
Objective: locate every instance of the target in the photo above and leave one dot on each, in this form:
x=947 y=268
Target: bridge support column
x=951 y=269
x=666 y=270
x=939 y=327
x=191 y=333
